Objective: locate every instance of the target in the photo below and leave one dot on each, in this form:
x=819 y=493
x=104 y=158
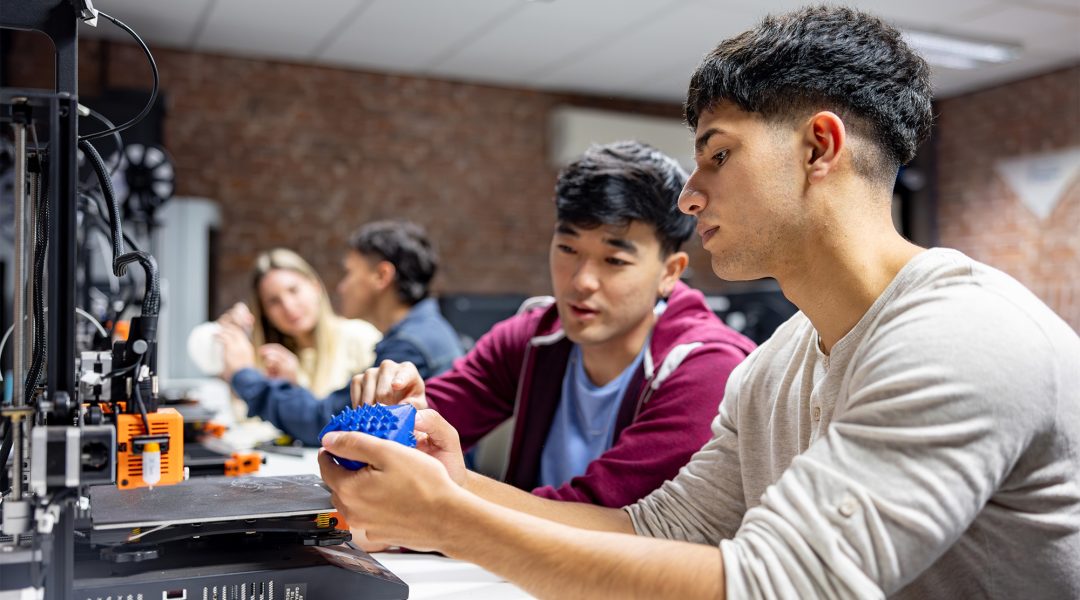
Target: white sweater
x=934 y=454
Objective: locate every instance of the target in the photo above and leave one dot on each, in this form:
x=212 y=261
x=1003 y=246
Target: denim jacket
x=423 y=338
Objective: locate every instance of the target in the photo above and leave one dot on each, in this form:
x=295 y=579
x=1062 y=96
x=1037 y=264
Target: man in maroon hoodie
x=613 y=382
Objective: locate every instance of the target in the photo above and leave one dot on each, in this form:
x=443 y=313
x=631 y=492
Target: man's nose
x=691 y=201
x=585 y=278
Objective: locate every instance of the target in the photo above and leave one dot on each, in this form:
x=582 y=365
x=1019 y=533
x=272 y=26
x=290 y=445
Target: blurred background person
x=389 y=266
x=291 y=330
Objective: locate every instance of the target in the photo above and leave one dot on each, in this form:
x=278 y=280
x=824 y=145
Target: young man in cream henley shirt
x=913 y=432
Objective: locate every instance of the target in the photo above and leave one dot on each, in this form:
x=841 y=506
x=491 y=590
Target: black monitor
x=473 y=315
x=755 y=314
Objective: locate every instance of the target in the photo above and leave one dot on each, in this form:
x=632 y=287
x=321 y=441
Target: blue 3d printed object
x=393 y=423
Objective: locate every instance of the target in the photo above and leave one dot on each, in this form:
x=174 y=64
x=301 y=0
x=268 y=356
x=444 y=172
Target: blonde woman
x=294 y=334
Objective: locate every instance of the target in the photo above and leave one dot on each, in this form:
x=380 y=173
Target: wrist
x=241 y=377
x=455 y=509
x=469 y=482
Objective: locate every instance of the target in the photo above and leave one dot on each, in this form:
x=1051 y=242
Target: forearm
x=575 y=514
x=552 y=560
x=289 y=407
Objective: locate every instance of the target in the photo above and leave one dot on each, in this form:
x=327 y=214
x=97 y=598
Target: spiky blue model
x=386 y=422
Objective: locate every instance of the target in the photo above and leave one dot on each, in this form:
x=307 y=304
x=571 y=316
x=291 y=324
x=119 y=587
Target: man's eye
x=565 y=249
x=618 y=262
x=720 y=157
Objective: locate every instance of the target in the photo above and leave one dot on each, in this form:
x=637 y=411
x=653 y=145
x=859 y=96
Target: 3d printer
x=94 y=500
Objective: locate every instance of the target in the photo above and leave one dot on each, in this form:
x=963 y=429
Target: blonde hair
x=264 y=332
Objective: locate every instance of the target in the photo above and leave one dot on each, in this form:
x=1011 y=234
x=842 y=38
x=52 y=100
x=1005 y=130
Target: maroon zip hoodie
x=516 y=370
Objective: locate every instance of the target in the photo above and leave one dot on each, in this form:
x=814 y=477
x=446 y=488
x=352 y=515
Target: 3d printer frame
x=91 y=420
x=54 y=543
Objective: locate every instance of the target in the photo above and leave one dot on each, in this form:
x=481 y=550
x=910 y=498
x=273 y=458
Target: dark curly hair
x=614 y=184
x=405 y=245
x=825 y=58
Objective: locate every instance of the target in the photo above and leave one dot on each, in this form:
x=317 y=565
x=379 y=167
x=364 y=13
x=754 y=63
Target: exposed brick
x=979 y=214
x=300 y=155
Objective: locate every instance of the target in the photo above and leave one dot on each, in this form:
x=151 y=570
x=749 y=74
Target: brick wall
x=299 y=156
x=979 y=214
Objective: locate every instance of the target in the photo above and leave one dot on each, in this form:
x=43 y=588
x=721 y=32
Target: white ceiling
x=628 y=48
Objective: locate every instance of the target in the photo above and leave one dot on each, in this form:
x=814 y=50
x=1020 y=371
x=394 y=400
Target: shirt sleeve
x=289 y=407
x=704 y=503
x=669 y=429
x=358 y=340
x=937 y=414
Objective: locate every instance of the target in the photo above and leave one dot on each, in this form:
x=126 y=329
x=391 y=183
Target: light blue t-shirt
x=584 y=422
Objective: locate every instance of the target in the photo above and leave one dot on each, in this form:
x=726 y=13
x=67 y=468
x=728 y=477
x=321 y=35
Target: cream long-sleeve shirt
x=935 y=453
x=353 y=353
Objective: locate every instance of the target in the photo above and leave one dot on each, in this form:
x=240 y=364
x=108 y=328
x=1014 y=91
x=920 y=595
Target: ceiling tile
x=1019 y=23
x=271 y=29
x=925 y=13
x=407 y=35
x=949 y=83
x=1065 y=41
x=158 y=23
x=1067 y=6
x=631 y=48
x=526 y=45
x=673 y=42
x=667 y=87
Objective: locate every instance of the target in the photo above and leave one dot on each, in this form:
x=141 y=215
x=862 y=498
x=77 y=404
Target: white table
x=432 y=577
x=429 y=576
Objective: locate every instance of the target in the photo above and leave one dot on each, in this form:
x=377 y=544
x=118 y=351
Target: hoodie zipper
x=643 y=397
x=525 y=370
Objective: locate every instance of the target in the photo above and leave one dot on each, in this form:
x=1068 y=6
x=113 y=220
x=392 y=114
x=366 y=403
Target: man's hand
x=279 y=362
x=389 y=383
x=435 y=437
x=236 y=351
x=403 y=497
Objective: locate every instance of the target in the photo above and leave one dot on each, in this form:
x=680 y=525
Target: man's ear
x=826 y=138
x=384 y=274
x=674 y=266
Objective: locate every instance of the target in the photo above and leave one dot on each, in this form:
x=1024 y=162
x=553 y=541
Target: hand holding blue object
x=393 y=423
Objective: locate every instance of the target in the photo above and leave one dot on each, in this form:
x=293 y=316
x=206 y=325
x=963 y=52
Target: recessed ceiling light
x=959 y=53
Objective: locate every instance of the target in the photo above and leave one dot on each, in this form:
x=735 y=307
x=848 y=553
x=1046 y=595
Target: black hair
x=825 y=58
x=405 y=245
x=614 y=184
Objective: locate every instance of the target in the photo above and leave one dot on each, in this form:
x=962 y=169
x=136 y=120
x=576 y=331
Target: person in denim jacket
x=388 y=269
